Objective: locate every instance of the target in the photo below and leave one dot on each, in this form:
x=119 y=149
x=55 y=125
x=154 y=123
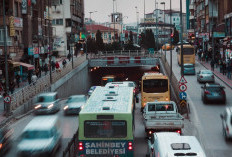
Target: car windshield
x=206 y=72
x=188 y=66
x=155 y=85
x=46 y=98
x=214 y=89
x=160 y=107
x=37 y=134
x=76 y=99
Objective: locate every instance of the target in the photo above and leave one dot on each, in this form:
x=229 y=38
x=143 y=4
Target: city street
x=205 y=117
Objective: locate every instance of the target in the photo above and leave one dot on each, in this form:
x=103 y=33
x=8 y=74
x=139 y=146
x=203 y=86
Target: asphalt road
x=205 y=118
x=69 y=125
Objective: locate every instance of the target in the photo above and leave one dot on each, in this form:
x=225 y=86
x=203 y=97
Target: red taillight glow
x=130 y=147
x=178 y=131
x=134 y=90
x=80 y=147
x=223 y=92
x=207 y=92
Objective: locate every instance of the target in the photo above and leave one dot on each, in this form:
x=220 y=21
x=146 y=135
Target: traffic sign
x=182 y=80
x=182 y=87
x=183 y=103
x=7 y=99
x=183 y=95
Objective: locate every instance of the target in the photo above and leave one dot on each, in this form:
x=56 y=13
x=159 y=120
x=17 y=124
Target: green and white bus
x=106 y=123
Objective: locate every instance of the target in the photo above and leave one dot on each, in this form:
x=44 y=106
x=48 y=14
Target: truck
x=162 y=116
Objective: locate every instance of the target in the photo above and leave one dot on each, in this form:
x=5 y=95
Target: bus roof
x=186 y=46
x=109 y=100
x=154 y=75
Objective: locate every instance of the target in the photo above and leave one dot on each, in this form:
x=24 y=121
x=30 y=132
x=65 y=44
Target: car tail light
x=178 y=131
x=80 y=146
x=130 y=146
x=207 y=92
x=223 y=92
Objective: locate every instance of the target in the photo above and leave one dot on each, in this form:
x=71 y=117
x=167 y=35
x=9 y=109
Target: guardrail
x=72 y=149
x=42 y=84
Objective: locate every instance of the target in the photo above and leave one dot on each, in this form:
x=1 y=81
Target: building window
x=109 y=35
x=57 y=21
x=105 y=35
x=9 y=42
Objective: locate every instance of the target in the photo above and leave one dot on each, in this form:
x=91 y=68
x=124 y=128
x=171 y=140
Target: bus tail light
x=166 y=99
x=130 y=146
x=80 y=146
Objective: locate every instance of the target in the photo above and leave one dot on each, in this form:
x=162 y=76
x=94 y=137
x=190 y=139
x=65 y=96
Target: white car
x=226 y=117
x=74 y=104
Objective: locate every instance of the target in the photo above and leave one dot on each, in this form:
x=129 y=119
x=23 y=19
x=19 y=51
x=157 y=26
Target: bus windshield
x=105 y=129
x=155 y=86
x=188 y=51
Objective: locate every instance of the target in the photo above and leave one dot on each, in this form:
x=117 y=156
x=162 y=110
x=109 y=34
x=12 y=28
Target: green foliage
x=148 y=40
x=99 y=41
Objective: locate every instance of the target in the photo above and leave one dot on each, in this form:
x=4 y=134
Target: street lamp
x=170 y=44
x=163 y=3
x=91 y=12
x=181 y=39
x=137 y=27
x=156 y=12
x=114 y=19
x=212 y=25
x=144 y=19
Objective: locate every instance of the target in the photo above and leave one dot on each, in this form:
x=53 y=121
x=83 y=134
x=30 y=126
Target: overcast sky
x=126 y=7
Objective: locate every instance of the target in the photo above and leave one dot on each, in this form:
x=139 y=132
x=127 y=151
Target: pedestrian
x=29 y=77
x=34 y=78
x=69 y=56
x=12 y=87
x=53 y=65
x=228 y=71
x=37 y=72
x=212 y=64
x=39 y=68
x=45 y=68
x=17 y=77
x=4 y=95
x=64 y=63
x=224 y=68
x=57 y=66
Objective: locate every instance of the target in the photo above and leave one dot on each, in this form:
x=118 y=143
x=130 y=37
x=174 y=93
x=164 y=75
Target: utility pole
x=181 y=39
x=144 y=19
x=137 y=24
x=212 y=25
x=156 y=15
x=170 y=77
x=114 y=19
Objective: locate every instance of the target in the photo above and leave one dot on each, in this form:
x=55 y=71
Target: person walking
x=224 y=68
x=12 y=87
x=228 y=71
x=17 y=77
x=212 y=64
x=64 y=63
x=45 y=68
x=29 y=77
x=34 y=78
x=53 y=65
x=57 y=66
x=69 y=56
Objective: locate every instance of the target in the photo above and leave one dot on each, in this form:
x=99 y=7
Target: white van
x=171 y=144
x=41 y=137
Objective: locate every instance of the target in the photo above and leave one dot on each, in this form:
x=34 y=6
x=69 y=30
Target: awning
x=28 y=66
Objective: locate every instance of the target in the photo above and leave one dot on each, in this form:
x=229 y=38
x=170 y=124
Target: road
x=69 y=125
x=205 y=118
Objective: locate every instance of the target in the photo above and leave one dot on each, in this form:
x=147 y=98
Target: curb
x=217 y=76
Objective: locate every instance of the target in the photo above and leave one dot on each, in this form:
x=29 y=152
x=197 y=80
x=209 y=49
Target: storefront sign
x=12 y=29
x=219 y=34
x=36 y=50
x=30 y=51
x=24 y=6
x=18 y=22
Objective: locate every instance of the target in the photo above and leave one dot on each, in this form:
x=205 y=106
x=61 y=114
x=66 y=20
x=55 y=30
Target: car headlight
x=38 y=106
x=50 y=106
x=0 y=145
x=66 y=107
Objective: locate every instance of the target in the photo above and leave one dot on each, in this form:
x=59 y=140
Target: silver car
x=226 y=117
x=47 y=103
x=205 y=76
x=74 y=103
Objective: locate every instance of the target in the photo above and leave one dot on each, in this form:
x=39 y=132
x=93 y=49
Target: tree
x=150 y=39
x=99 y=41
x=175 y=37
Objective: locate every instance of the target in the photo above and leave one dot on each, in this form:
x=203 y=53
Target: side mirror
x=222 y=117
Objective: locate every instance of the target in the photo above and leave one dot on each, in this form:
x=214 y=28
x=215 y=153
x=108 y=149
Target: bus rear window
x=188 y=51
x=155 y=86
x=105 y=129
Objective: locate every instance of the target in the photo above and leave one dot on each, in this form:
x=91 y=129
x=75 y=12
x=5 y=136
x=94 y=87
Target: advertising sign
x=12 y=29
x=18 y=22
x=30 y=51
x=36 y=50
x=24 y=6
x=105 y=147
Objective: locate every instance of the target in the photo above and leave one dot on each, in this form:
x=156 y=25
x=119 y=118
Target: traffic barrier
x=138 y=60
x=123 y=60
x=110 y=60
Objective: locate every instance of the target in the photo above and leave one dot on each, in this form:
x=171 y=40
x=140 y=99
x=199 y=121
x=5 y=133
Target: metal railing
x=129 y=53
x=42 y=84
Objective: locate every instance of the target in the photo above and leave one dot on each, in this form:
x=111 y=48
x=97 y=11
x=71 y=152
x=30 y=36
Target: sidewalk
x=217 y=73
x=22 y=85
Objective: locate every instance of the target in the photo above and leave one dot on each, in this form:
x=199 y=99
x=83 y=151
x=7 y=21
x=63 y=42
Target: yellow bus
x=107 y=78
x=188 y=54
x=154 y=86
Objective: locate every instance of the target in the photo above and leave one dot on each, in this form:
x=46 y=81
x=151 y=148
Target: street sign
x=7 y=99
x=183 y=103
x=182 y=80
x=182 y=87
x=183 y=95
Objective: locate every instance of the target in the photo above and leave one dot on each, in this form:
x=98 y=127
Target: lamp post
x=122 y=28
x=156 y=14
x=181 y=39
x=144 y=19
x=163 y=3
x=170 y=44
x=137 y=24
x=91 y=12
x=212 y=25
x=114 y=19
x=49 y=47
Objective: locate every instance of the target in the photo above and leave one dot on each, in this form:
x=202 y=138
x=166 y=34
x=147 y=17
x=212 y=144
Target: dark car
x=189 y=69
x=5 y=139
x=213 y=92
